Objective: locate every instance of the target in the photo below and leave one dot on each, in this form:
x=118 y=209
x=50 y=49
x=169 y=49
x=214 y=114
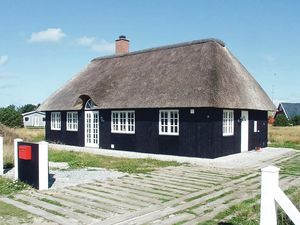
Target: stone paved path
x=188 y=194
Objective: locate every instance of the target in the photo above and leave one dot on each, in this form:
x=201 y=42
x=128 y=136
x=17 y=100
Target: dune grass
x=127 y=165
x=247 y=212
x=287 y=137
x=9 y=134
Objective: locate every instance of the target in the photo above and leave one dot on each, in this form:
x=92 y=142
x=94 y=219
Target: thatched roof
x=195 y=74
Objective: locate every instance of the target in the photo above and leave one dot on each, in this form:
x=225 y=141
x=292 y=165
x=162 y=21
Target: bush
x=281 y=121
x=27 y=108
x=296 y=120
x=10 y=117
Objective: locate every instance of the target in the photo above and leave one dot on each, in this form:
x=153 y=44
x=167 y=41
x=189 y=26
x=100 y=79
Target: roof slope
x=291 y=109
x=32 y=112
x=195 y=74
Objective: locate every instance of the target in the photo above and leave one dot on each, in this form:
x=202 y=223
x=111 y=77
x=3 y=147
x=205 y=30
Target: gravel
x=66 y=178
x=60 y=178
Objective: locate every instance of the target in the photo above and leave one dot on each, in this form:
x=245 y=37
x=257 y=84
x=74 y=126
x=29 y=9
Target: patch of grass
x=219 y=196
x=9 y=187
x=181 y=222
x=238 y=177
x=248 y=211
x=245 y=212
x=196 y=197
x=79 y=211
x=285 y=137
x=53 y=202
x=291 y=166
x=7 y=212
x=164 y=200
x=285 y=145
x=127 y=165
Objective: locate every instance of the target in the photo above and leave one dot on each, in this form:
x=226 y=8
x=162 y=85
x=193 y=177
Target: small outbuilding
x=34 y=119
x=290 y=110
x=190 y=99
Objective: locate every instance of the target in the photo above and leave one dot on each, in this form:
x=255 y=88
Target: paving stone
x=40 y=212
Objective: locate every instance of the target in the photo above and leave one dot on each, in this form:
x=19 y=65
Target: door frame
x=86 y=143
x=244 y=131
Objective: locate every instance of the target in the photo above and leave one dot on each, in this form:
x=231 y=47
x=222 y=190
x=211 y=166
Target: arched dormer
x=89 y=105
x=84 y=101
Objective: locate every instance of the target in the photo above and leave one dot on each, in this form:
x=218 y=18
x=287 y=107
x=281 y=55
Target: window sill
x=72 y=130
x=228 y=135
x=57 y=129
x=169 y=134
x=119 y=132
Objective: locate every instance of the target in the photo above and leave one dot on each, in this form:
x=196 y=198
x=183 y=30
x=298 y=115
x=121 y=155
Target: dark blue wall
x=258 y=139
x=200 y=134
x=63 y=136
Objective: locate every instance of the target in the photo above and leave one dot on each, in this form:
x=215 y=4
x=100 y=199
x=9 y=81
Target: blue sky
x=44 y=43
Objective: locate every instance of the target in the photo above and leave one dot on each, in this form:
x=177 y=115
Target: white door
x=92 y=129
x=36 y=121
x=244 y=131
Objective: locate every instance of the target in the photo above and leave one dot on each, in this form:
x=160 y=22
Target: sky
x=43 y=44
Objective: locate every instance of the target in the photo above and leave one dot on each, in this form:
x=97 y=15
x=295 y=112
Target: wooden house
x=190 y=99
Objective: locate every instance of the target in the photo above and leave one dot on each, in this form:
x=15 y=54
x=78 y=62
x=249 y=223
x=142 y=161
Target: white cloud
x=96 y=45
x=85 y=41
x=103 y=46
x=49 y=35
x=3 y=59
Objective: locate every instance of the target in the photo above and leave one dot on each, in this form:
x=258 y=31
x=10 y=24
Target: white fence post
x=271 y=193
x=43 y=165
x=1 y=156
x=16 y=157
x=269 y=185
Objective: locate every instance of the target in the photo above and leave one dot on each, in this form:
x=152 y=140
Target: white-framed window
x=72 y=121
x=90 y=104
x=255 y=126
x=55 y=120
x=169 y=122
x=228 y=122
x=123 y=122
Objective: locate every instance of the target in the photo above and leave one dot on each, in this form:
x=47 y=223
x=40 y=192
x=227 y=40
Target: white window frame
x=55 y=120
x=167 y=128
x=124 y=125
x=228 y=122
x=72 y=121
x=255 y=130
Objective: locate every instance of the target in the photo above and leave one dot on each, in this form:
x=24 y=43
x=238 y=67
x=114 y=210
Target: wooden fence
x=270 y=194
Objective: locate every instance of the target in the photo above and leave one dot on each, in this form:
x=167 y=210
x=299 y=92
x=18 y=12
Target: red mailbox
x=25 y=152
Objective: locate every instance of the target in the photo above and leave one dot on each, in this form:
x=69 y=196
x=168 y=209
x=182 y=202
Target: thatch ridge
x=163 y=48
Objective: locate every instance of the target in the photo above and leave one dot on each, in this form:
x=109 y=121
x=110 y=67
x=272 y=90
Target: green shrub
x=10 y=117
x=296 y=120
x=281 y=121
x=8 y=187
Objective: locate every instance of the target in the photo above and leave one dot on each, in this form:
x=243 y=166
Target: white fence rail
x=270 y=194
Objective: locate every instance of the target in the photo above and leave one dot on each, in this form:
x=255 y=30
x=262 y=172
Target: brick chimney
x=122 y=45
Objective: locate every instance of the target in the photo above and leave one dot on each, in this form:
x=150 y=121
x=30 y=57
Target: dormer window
x=90 y=104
